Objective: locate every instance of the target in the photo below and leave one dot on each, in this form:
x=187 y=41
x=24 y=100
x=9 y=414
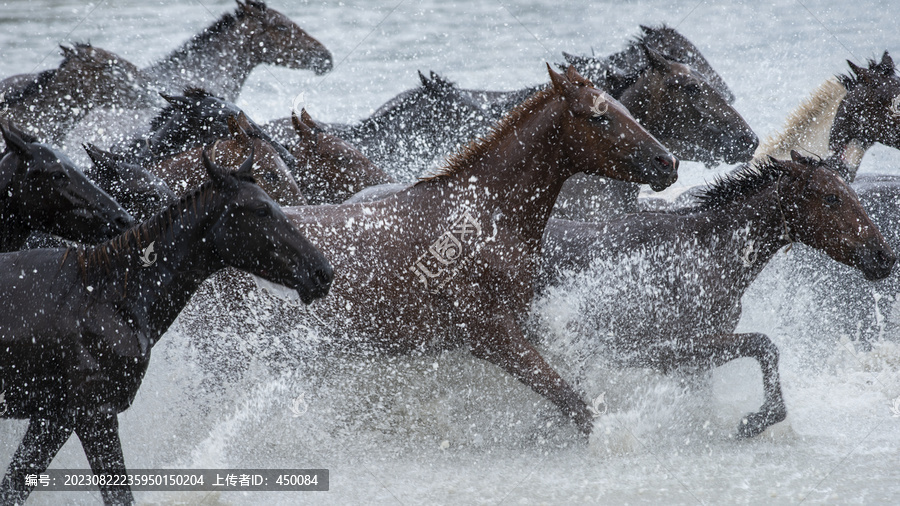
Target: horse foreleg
x=727 y=347
x=99 y=436
x=41 y=443
x=502 y=343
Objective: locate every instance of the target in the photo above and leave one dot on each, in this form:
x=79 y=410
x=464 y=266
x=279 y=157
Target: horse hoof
x=754 y=424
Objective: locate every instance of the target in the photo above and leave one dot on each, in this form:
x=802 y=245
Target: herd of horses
x=540 y=187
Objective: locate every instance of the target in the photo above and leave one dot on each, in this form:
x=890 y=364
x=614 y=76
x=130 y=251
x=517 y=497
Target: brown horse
x=79 y=324
x=329 y=169
x=221 y=57
x=53 y=101
x=183 y=170
x=449 y=262
x=678 y=278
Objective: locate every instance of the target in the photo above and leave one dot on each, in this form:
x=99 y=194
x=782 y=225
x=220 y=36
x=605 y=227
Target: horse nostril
x=668 y=163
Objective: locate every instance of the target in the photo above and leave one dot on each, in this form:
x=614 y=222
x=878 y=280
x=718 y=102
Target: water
x=449 y=428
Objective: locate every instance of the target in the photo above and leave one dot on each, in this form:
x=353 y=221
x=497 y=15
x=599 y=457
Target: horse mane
x=745 y=181
x=822 y=103
x=103 y=258
x=479 y=147
x=225 y=22
x=170 y=109
x=43 y=78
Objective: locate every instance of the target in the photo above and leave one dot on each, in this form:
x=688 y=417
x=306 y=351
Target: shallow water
x=449 y=428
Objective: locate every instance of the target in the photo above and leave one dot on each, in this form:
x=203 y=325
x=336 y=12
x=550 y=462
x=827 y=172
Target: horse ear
x=656 y=59
x=102 y=160
x=862 y=73
x=887 y=64
x=216 y=174
x=245 y=171
x=175 y=99
x=302 y=129
x=648 y=30
x=560 y=83
x=309 y=121
x=14 y=142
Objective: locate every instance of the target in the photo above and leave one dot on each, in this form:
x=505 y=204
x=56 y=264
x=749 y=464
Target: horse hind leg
x=99 y=435
x=41 y=443
x=727 y=347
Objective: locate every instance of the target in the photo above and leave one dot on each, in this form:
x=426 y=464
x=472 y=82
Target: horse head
x=686 y=113
x=340 y=170
x=821 y=210
x=676 y=47
x=276 y=40
x=270 y=171
x=601 y=137
x=134 y=187
x=870 y=112
x=51 y=194
x=254 y=235
x=97 y=76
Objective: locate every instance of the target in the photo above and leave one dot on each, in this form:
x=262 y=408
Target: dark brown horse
x=221 y=57
x=41 y=190
x=414 y=130
x=78 y=324
x=449 y=262
x=329 y=169
x=50 y=103
x=677 y=278
x=182 y=170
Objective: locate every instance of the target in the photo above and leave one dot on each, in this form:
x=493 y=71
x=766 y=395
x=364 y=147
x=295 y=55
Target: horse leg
x=41 y=443
x=99 y=434
x=504 y=345
x=727 y=347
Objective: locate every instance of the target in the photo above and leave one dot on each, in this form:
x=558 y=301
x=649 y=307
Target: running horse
x=449 y=262
x=679 y=276
x=41 y=190
x=141 y=193
x=50 y=103
x=222 y=56
x=79 y=323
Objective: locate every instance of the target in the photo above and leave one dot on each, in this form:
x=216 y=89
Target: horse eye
x=262 y=211
x=281 y=28
x=692 y=89
x=832 y=200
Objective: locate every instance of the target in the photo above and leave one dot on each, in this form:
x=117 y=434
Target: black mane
x=171 y=109
x=224 y=23
x=742 y=182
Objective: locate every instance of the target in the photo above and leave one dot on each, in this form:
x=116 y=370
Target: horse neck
x=13 y=230
x=183 y=257
x=746 y=234
x=808 y=127
x=224 y=60
x=507 y=177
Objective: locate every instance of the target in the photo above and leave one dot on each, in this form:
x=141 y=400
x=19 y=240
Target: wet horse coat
x=449 y=262
x=80 y=323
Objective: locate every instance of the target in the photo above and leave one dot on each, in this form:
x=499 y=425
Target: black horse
x=679 y=276
x=139 y=191
x=41 y=190
x=79 y=323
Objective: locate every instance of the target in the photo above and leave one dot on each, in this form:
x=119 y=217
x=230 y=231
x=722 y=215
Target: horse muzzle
x=874 y=262
x=317 y=284
x=664 y=172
